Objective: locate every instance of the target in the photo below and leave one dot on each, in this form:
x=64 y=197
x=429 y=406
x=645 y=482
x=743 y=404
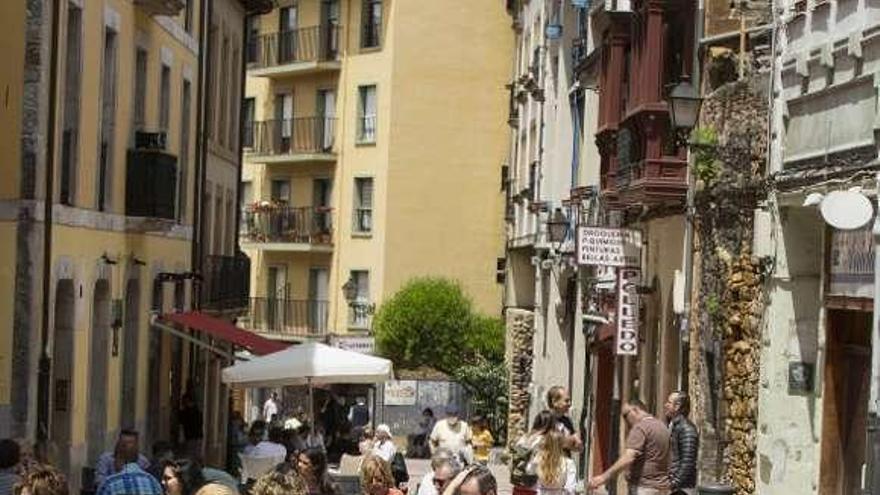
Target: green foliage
x=486 y=383
x=704 y=143
x=713 y=306
x=431 y=322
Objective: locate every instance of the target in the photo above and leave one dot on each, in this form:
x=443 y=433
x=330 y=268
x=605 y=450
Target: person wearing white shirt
x=444 y=468
x=452 y=434
x=270 y=408
x=556 y=472
x=273 y=447
x=384 y=446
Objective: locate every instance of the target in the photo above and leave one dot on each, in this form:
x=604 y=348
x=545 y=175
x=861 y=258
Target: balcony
x=298 y=51
x=151 y=184
x=276 y=227
x=287 y=318
x=225 y=283
x=300 y=139
x=161 y=7
x=652 y=182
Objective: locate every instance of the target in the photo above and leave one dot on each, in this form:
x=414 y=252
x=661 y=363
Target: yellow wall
x=440 y=142
x=11 y=90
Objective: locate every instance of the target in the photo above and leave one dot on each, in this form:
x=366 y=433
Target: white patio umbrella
x=308 y=364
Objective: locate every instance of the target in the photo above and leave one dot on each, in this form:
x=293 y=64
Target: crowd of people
x=659 y=457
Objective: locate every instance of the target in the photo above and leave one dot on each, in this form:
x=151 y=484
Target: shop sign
x=599 y=246
x=851 y=263
x=401 y=392
x=364 y=345
x=627 y=343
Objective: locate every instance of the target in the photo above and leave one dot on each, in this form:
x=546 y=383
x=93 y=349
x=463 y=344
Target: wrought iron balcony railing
x=309 y=44
x=290 y=136
x=275 y=223
x=288 y=317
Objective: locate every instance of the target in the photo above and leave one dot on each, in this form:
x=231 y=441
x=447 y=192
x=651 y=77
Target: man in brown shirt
x=646 y=453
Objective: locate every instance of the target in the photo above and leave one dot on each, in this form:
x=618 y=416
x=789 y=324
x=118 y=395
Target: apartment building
x=114 y=207
x=374 y=147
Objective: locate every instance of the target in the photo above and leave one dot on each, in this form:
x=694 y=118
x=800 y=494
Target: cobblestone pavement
x=418 y=467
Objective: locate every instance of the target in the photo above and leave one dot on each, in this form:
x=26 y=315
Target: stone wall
x=520 y=335
x=728 y=295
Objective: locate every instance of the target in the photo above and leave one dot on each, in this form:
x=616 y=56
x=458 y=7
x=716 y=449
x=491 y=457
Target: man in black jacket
x=685 y=444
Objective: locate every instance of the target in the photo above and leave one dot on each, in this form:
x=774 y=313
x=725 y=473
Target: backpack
x=398 y=469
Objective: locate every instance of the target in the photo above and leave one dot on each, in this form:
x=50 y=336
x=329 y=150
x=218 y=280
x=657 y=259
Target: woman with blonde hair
x=376 y=477
x=277 y=483
x=556 y=471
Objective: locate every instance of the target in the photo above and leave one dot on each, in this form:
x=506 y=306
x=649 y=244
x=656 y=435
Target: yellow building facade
x=141 y=210
x=373 y=155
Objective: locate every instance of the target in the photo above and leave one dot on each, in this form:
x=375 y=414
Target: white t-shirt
x=385 y=450
x=267 y=449
x=426 y=486
x=452 y=438
x=567 y=480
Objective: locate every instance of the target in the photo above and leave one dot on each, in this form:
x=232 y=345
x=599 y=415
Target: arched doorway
x=62 y=374
x=131 y=336
x=98 y=357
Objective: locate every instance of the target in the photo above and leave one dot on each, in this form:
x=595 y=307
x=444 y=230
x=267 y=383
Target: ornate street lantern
x=684 y=105
x=557 y=227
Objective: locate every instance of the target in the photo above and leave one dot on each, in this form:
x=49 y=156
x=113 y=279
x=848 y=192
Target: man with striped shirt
x=130 y=479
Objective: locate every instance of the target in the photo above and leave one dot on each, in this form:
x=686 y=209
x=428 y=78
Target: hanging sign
x=600 y=246
x=627 y=343
x=401 y=392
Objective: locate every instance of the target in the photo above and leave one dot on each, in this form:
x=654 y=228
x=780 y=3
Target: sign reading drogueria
x=600 y=246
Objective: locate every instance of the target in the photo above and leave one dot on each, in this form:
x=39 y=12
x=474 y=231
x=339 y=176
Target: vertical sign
x=627 y=312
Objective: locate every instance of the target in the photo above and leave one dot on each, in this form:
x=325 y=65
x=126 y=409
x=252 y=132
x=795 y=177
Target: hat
x=383 y=428
x=451 y=410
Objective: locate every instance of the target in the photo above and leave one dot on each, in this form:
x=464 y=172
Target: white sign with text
x=600 y=246
x=627 y=343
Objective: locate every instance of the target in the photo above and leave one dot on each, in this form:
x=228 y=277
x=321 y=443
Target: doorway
x=62 y=374
x=327 y=118
x=330 y=30
x=319 y=283
x=845 y=401
x=288 y=20
x=98 y=364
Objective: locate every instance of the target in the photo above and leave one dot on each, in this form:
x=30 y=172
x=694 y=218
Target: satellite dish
x=846 y=210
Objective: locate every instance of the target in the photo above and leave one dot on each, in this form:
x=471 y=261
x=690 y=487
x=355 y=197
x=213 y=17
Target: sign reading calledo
x=609 y=247
x=401 y=392
x=627 y=311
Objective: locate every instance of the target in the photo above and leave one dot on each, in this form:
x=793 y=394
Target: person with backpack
x=527 y=445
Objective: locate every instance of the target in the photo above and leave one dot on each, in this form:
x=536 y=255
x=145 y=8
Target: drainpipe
x=684 y=322
x=871 y=479
x=241 y=131
x=45 y=362
x=203 y=115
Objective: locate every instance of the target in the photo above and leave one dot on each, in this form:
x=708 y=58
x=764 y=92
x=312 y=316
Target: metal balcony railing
x=290 y=136
x=310 y=44
x=360 y=315
x=366 y=130
x=276 y=223
x=225 y=282
x=288 y=317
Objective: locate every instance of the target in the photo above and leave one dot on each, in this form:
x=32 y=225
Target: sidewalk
x=418 y=467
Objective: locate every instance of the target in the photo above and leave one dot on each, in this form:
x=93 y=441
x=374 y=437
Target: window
x=288 y=21
x=359 y=310
x=108 y=121
x=140 y=89
x=183 y=159
x=247 y=194
x=233 y=102
x=282 y=132
x=366 y=114
x=212 y=84
x=280 y=190
x=253 y=39
x=72 y=83
x=188 y=16
x=165 y=98
x=250 y=106
x=222 y=105
x=363 y=205
x=371 y=19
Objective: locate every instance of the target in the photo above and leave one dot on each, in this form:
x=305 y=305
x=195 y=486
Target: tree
x=486 y=383
x=427 y=322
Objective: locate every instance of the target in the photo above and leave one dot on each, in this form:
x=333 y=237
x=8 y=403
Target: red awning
x=224 y=330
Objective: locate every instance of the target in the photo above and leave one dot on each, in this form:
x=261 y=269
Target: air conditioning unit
x=150 y=140
x=618 y=5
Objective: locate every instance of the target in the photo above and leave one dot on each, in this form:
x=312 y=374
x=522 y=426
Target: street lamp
x=349 y=290
x=684 y=105
x=557 y=228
